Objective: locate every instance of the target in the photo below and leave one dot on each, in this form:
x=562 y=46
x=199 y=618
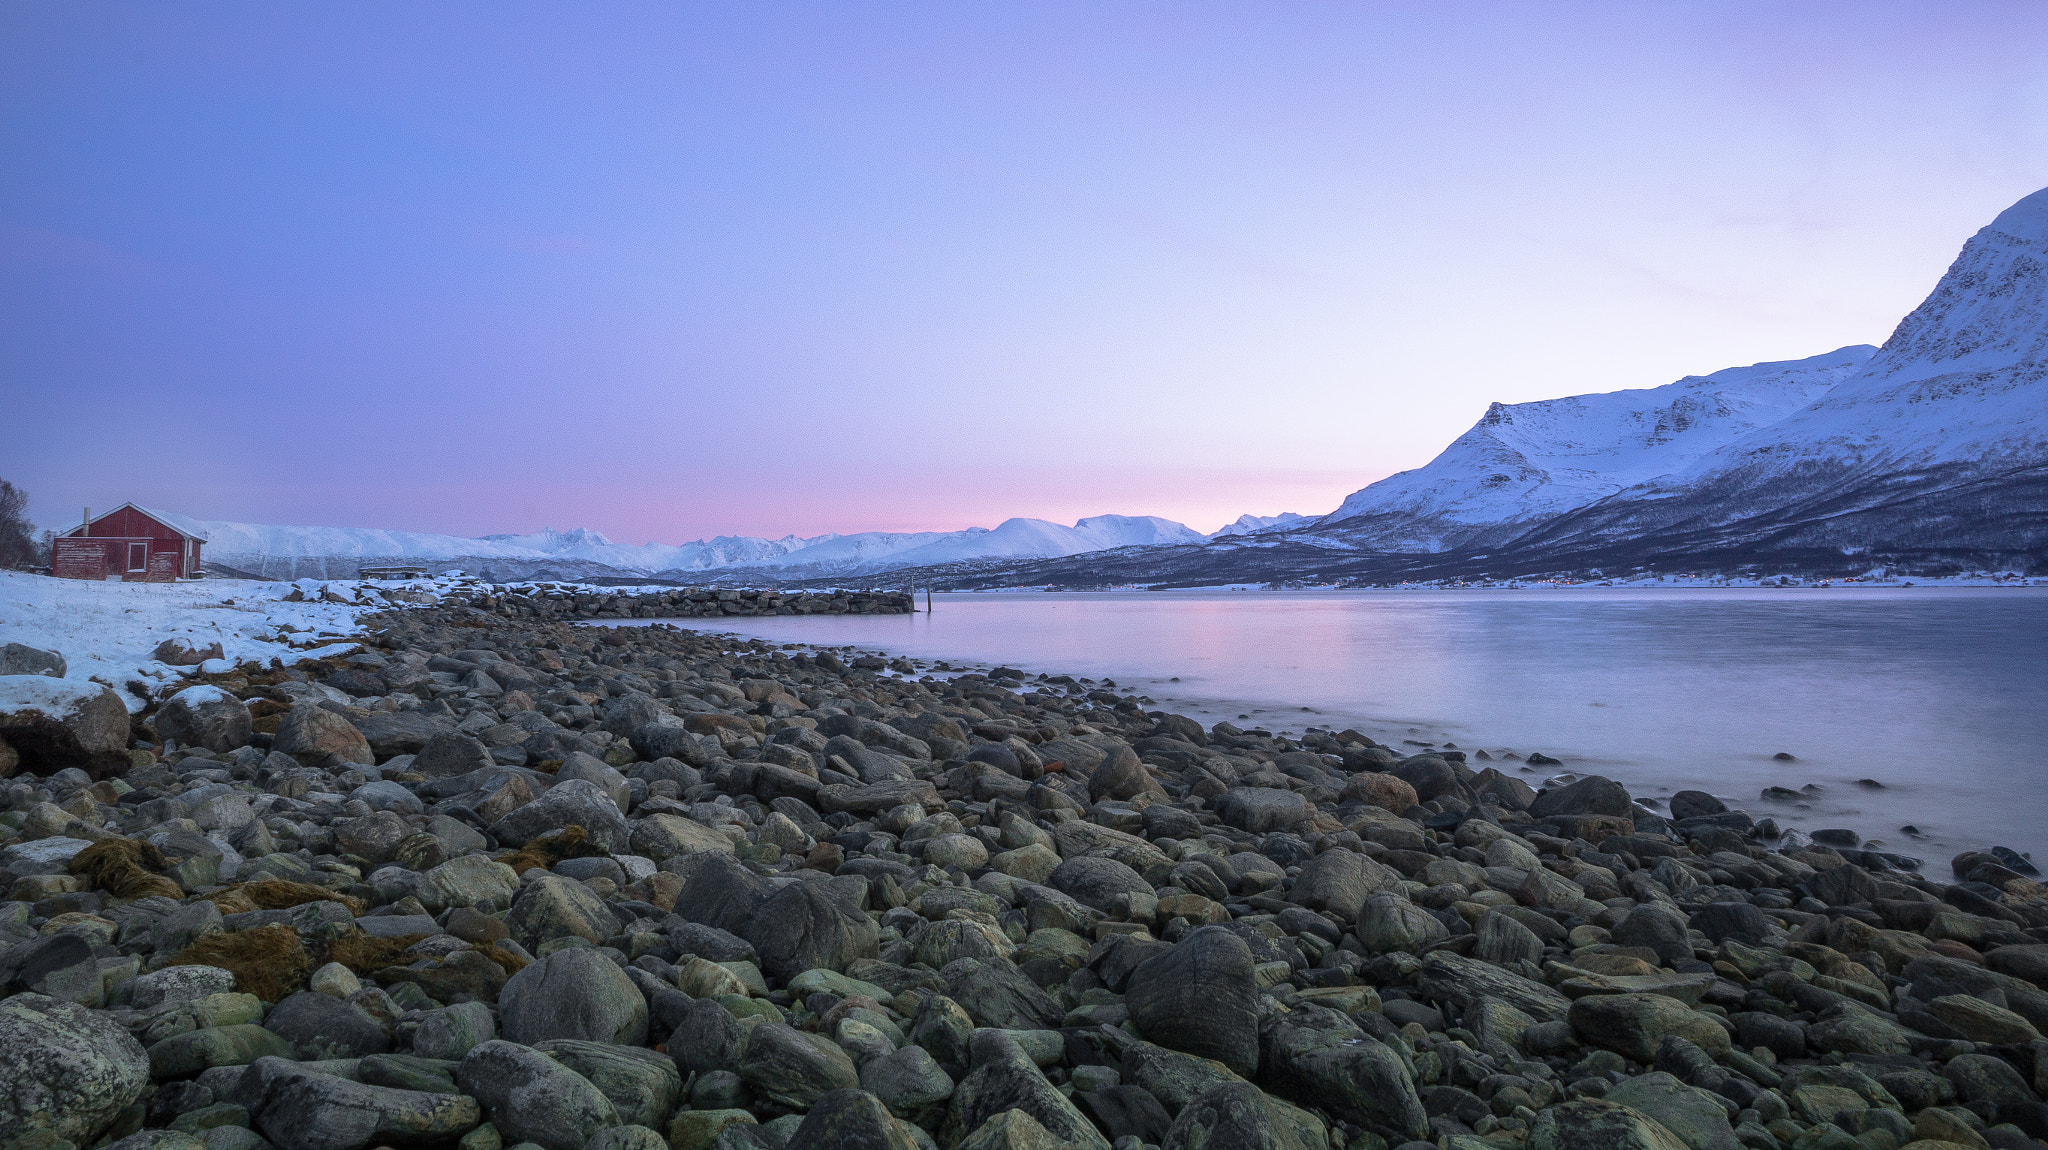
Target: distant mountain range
x=1931 y=450
x=274 y=552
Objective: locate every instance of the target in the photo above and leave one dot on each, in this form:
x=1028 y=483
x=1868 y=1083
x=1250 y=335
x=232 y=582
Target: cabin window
x=138 y=557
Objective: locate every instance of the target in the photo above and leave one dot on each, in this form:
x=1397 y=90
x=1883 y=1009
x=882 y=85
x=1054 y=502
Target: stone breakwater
x=684 y=603
x=492 y=883
x=545 y=602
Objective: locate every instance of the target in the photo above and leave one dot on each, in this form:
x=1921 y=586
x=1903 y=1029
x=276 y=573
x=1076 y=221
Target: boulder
x=446 y=754
x=2027 y=961
x=1200 y=997
x=1097 y=882
x=1317 y=1057
x=792 y=1068
x=318 y=737
x=1388 y=922
x=1005 y=1078
x=1376 y=788
x=530 y=1097
x=297 y=1110
x=1634 y=1024
x=718 y=890
x=185 y=653
x=627 y=1138
x=451 y=1032
x=577 y=802
x=204 y=716
x=321 y=1027
x=1503 y=941
x=555 y=907
x=20 y=659
x=1596 y=1124
x=574 y=993
x=595 y=771
x=1122 y=776
x=52 y=724
x=1464 y=981
x=851 y=1120
x=1238 y=1116
x=1126 y=1112
x=1656 y=927
x=57 y=965
x=174 y=984
x=664 y=836
x=805 y=925
x=466 y=881
x=643 y=1084
x=997 y=994
x=1011 y=1130
x=1260 y=810
x=400 y=732
x=374 y=837
x=1339 y=881
x=908 y=1080
x=1592 y=795
x=69 y=1071
x=1693 y=804
x=1431 y=776
x=1694 y=1115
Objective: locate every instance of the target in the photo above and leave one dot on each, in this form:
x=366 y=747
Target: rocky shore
x=582 y=601
x=494 y=880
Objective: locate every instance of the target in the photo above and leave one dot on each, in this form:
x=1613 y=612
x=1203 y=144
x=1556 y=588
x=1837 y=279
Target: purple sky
x=670 y=271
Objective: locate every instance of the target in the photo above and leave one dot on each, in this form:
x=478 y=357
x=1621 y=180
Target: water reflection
x=1940 y=694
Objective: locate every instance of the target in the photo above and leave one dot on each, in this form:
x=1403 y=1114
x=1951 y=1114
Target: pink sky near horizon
x=693 y=271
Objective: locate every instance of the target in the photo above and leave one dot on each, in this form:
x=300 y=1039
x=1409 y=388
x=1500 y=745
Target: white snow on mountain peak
x=1528 y=461
x=1962 y=380
x=549 y=539
x=270 y=550
x=1261 y=524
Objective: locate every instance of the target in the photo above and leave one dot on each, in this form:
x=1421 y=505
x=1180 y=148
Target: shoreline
x=802 y=894
x=1809 y=796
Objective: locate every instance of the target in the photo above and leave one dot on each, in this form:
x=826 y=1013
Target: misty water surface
x=1941 y=694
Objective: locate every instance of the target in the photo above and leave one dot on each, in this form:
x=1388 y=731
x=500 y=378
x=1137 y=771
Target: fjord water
x=1940 y=694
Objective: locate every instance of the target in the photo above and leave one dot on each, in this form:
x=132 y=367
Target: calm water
x=1939 y=693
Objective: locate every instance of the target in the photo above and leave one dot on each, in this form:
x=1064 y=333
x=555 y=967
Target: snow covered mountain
x=1525 y=463
x=1261 y=524
x=1930 y=451
x=1940 y=442
x=326 y=552
x=700 y=555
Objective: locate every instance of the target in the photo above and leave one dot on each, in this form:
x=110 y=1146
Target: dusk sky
x=672 y=270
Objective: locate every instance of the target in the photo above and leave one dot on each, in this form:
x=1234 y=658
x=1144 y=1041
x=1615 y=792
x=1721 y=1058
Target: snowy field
x=108 y=631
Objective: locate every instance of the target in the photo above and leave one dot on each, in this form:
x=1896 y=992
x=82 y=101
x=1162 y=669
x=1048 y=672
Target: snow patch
x=108 y=632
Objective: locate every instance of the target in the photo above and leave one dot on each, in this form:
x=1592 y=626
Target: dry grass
x=273 y=962
x=124 y=868
x=269 y=961
x=512 y=963
x=365 y=955
x=280 y=894
x=571 y=842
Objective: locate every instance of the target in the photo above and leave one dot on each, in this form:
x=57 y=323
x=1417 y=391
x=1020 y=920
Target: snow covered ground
x=108 y=631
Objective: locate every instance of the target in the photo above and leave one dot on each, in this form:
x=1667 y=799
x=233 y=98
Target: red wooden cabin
x=129 y=544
